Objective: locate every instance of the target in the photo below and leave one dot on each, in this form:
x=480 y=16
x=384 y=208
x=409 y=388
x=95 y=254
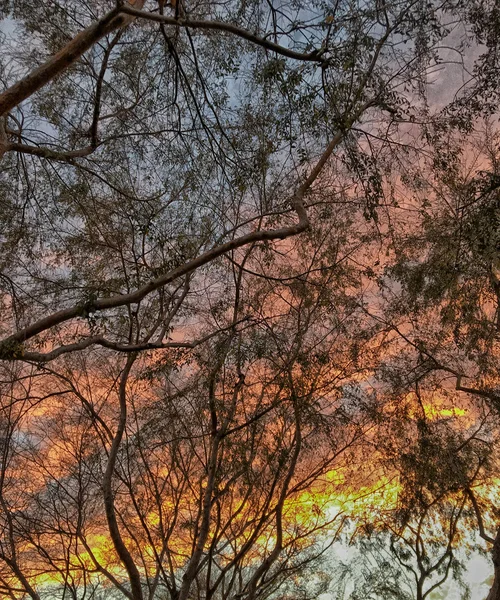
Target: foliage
x=241 y=258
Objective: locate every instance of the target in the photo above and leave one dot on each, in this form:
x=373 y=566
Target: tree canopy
x=250 y=297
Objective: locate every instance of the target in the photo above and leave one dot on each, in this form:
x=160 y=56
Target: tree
x=219 y=464
x=446 y=311
x=191 y=199
x=429 y=451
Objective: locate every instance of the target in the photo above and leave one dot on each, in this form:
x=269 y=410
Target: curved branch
x=103 y=570
x=479 y=517
x=98 y=340
x=314 y=56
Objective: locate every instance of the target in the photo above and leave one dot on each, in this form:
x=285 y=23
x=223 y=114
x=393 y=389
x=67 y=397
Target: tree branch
x=58 y=63
x=314 y=56
x=109 y=501
x=479 y=517
x=44 y=357
x=42 y=152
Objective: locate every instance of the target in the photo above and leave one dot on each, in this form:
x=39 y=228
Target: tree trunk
x=494 y=593
x=420 y=588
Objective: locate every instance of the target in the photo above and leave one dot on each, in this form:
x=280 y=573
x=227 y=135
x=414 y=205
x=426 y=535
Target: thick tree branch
x=483 y=393
x=260 y=573
x=42 y=152
x=58 y=63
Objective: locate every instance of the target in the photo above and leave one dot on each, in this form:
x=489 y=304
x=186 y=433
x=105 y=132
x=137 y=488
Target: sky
x=479 y=569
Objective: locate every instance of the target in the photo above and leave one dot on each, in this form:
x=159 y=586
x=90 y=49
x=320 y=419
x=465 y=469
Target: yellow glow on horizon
x=433 y=412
